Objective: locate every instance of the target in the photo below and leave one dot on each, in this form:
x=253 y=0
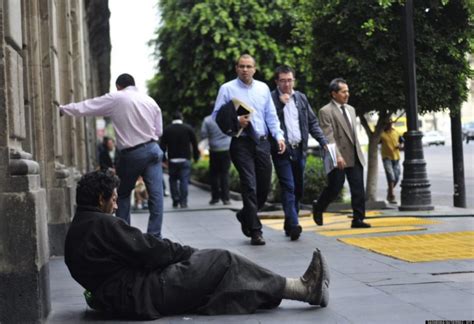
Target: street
x=440 y=175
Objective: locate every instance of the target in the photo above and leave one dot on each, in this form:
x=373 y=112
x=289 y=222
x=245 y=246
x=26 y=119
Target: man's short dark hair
x=284 y=69
x=93 y=185
x=124 y=80
x=177 y=115
x=334 y=84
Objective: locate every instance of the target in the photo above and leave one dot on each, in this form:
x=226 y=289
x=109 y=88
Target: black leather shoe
x=175 y=204
x=257 y=239
x=295 y=232
x=360 y=224
x=244 y=229
x=213 y=201
x=286 y=228
x=316 y=279
x=226 y=202
x=318 y=218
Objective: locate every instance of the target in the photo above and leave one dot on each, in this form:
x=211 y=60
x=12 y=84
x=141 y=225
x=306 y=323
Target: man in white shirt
x=338 y=122
x=297 y=121
x=137 y=122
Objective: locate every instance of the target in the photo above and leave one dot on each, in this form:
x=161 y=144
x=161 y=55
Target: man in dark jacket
x=177 y=141
x=297 y=121
x=108 y=155
x=128 y=273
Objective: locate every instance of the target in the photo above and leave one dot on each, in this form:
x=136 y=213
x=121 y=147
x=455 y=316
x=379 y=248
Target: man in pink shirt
x=137 y=122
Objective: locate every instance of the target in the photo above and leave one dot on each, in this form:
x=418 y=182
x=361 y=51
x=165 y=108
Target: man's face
x=245 y=69
x=110 y=145
x=341 y=96
x=285 y=82
x=109 y=206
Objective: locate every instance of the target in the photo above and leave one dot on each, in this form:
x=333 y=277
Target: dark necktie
x=346 y=118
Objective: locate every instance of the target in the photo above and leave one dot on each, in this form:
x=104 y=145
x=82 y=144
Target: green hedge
x=315 y=179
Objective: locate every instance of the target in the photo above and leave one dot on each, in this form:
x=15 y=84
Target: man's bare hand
x=281 y=146
x=341 y=164
x=244 y=120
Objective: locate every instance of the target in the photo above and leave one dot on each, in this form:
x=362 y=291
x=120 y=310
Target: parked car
x=468 y=132
x=433 y=138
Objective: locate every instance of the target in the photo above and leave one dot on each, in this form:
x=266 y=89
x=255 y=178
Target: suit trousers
x=219 y=165
x=336 y=178
x=253 y=163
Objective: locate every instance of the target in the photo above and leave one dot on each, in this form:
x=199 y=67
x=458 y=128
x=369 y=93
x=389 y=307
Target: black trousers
x=253 y=162
x=217 y=282
x=355 y=176
x=219 y=165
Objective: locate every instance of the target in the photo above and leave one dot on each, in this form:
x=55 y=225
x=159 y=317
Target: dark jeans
x=219 y=165
x=179 y=172
x=336 y=178
x=144 y=161
x=252 y=161
x=290 y=171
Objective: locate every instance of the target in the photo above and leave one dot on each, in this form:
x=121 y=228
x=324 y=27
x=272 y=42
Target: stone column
x=24 y=268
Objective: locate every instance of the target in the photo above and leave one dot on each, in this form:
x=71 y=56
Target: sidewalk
x=366 y=287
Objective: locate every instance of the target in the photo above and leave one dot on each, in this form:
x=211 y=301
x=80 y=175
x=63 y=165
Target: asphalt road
x=439 y=167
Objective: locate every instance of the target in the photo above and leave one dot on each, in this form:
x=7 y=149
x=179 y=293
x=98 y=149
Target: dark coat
x=227 y=119
x=105 y=162
x=307 y=119
x=139 y=276
x=178 y=140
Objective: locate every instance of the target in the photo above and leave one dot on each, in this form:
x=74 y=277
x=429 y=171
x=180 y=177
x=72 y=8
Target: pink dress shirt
x=135 y=116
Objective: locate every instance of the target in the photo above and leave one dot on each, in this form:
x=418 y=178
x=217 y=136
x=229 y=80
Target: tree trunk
x=373 y=154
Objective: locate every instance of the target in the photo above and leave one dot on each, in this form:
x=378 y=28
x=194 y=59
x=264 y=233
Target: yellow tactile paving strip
x=420 y=248
x=373 y=230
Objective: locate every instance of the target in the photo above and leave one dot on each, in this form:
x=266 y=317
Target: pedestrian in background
x=250 y=152
x=179 y=142
x=338 y=122
x=219 y=160
x=297 y=121
x=391 y=142
x=137 y=122
x=108 y=155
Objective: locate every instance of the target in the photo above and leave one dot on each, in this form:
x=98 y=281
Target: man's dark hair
x=94 y=184
x=125 y=80
x=177 y=115
x=283 y=69
x=334 y=84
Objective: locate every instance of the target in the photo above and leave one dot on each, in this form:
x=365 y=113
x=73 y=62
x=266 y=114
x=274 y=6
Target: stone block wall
x=46 y=58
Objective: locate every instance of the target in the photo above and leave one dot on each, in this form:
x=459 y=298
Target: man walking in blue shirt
x=250 y=152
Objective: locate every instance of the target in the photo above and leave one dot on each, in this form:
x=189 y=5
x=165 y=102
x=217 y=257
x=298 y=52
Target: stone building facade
x=52 y=52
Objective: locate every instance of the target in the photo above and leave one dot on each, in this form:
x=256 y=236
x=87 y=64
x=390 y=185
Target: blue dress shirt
x=256 y=95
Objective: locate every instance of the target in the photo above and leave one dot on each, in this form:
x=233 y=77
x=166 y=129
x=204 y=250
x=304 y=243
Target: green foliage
x=363 y=44
x=199 y=41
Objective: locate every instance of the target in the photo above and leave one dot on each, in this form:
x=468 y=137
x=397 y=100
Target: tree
x=199 y=42
x=363 y=44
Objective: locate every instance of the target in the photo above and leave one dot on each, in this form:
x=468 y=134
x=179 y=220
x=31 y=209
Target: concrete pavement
x=366 y=287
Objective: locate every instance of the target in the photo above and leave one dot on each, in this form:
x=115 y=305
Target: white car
x=433 y=138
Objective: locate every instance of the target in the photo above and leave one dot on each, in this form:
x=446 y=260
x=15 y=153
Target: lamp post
x=415 y=186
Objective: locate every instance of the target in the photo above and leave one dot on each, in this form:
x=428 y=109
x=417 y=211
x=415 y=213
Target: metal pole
x=415 y=194
x=459 y=196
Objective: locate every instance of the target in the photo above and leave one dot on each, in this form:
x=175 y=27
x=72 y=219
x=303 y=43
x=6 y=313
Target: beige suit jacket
x=336 y=131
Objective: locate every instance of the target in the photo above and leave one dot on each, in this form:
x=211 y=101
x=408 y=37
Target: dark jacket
x=119 y=264
x=105 y=162
x=307 y=119
x=227 y=119
x=177 y=140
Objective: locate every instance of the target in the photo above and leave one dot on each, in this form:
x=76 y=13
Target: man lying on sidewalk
x=137 y=275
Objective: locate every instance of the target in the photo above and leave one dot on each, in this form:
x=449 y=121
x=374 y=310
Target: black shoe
x=257 y=239
x=175 y=204
x=286 y=227
x=244 y=229
x=357 y=223
x=184 y=205
x=213 y=201
x=226 y=202
x=295 y=232
x=318 y=218
x=316 y=279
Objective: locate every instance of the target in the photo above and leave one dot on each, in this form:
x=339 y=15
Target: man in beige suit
x=338 y=121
